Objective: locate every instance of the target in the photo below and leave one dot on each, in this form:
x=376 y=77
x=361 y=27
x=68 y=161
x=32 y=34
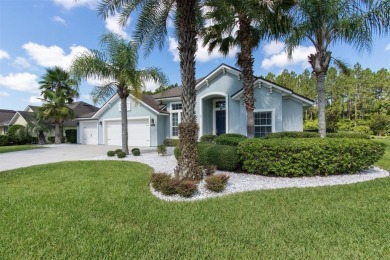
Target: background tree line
x=355 y=101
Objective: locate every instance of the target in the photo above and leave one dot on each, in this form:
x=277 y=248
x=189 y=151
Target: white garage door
x=138 y=129
x=89 y=133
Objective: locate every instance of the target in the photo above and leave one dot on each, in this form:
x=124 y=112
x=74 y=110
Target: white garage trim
x=88 y=132
x=106 y=122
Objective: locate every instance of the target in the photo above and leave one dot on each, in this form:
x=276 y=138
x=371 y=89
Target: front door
x=220 y=122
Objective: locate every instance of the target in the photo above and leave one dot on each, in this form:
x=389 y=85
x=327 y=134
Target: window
x=263 y=123
x=176 y=112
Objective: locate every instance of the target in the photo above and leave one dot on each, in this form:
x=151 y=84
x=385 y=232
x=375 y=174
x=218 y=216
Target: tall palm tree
x=116 y=66
x=254 y=21
x=324 y=23
x=151 y=29
x=58 y=90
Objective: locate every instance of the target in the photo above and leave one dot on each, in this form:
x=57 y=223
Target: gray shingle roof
x=5 y=116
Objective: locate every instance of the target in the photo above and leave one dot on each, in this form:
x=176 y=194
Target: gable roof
x=6 y=116
x=83 y=110
x=172 y=92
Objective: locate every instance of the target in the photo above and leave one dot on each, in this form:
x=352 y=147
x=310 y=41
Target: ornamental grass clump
x=162 y=149
x=216 y=182
x=168 y=185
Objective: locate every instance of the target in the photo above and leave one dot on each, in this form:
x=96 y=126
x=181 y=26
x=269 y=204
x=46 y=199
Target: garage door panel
x=89 y=133
x=138 y=132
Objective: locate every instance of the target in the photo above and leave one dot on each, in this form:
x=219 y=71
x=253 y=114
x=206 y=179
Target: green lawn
x=16 y=148
x=104 y=209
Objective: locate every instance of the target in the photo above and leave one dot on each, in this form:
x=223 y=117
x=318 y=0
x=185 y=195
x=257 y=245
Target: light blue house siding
x=292 y=115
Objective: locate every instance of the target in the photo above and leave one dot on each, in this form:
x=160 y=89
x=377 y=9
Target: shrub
x=162 y=149
x=158 y=178
x=186 y=188
x=51 y=139
x=310 y=125
x=208 y=139
x=170 y=187
x=4 y=140
x=348 y=135
x=171 y=142
x=216 y=182
x=209 y=170
x=307 y=157
x=292 y=135
x=17 y=134
x=118 y=151
x=111 y=153
x=230 y=139
x=136 y=151
x=177 y=152
x=71 y=135
x=364 y=129
x=121 y=155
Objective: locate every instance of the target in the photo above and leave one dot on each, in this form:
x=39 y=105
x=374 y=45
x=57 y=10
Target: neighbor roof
x=6 y=116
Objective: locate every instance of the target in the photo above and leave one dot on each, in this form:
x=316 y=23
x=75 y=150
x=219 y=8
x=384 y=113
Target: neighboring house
x=80 y=109
x=5 y=118
x=219 y=109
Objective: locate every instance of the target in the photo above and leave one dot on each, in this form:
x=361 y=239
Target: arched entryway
x=214 y=114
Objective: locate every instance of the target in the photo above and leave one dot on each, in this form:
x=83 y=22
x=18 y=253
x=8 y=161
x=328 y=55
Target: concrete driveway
x=53 y=153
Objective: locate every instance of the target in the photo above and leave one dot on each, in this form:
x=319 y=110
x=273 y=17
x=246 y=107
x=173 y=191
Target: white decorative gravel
x=241 y=182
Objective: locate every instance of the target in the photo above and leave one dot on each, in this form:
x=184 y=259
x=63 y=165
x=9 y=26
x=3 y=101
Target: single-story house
x=5 y=117
x=219 y=109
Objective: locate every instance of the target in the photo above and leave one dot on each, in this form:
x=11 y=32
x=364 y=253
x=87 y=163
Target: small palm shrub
x=136 y=151
x=169 y=185
x=186 y=188
x=209 y=170
x=111 y=153
x=162 y=149
x=118 y=151
x=158 y=178
x=208 y=139
x=121 y=154
x=230 y=139
x=216 y=182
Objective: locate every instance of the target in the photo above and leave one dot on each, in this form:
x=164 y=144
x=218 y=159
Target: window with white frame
x=263 y=123
x=176 y=112
x=128 y=104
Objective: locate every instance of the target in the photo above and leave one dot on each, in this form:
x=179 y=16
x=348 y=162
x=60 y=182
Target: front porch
x=214 y=115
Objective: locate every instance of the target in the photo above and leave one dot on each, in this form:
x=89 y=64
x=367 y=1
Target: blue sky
x=36 y=34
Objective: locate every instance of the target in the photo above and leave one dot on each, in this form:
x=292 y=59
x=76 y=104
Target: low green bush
x=309 y=156
x=171 y=142
x=4 y=140
x=177 y=152
x=208 y=139
x=224 y=157
x=292 y=135
x=136 y=151
x=348 y=135
x=18 y=135
x=121 y=155
x=51 y=139
x=230 y=139
x=111 y=153
x=186 y=188
x=162 y=149
x=364 y=129
x=71 y=135
x=216 y=182
x=118 y=151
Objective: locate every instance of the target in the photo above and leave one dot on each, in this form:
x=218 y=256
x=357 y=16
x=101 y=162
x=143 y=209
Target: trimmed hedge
x=4 y=140
x=316 y=135
x=121 y=155
x=308 y=157
x=71 y=135
x=111 y=153
x=230 y=139
x=208 y=139
x=354 y=135
x=171 y=142
x=136 y=151
x=224 y=157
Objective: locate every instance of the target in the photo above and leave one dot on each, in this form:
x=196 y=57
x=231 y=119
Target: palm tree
x=39 y=127
x=151 y=29
x=254 y=21
x=324 y=23
x=116 y=65
x=58 y=89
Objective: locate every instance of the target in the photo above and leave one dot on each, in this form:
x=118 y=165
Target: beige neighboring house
x=5 y=117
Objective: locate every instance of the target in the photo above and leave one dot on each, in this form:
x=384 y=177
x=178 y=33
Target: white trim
x=179 y=111
x=105 y=121
x=200 y=116
x=81 y=129
x=272 y=110
x=221 y=69
x=214 y=114
x=178 y=99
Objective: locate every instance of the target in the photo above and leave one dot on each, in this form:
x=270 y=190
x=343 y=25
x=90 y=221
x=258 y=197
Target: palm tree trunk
x=321 y=104
x=41 y=138
x=62 y=131
x=125 y=134
x=188 y=163
x=246 y=63
x=57 y=139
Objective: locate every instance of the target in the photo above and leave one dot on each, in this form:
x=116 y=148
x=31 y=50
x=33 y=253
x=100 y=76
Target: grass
x=104 y=209
x=16 y=148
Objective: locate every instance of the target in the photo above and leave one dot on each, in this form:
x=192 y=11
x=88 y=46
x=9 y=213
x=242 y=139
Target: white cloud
x=53 y=55
x=20 y=82
x=112 y=24
x=35 y=100
x=273 y=47
x=4 y=94
x=151 y=85
x=22 y=62
x=202 y=54
x=4 y=55
x=69 y=4
x=58 y=20
x=280 y=60
x=387 y=47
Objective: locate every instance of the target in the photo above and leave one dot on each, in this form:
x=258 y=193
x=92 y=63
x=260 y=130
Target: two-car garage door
x=138 y=129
